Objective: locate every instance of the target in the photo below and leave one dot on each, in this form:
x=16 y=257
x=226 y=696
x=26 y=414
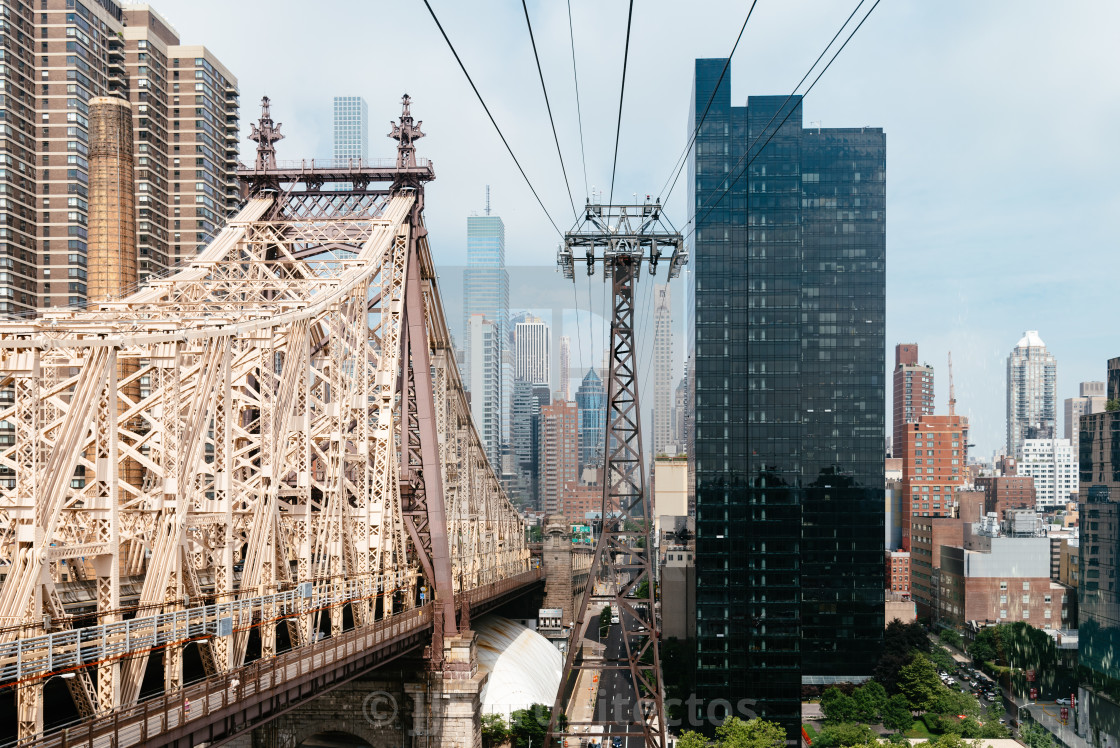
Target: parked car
x=1064 y=701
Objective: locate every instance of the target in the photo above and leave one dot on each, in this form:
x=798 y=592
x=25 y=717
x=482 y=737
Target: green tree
x=529 y=725
x=844 y=735
x=494 y=730
x=869 y=701
x=992 y=729
x=752 y=733
x=987 y=645
x=952 y=638
x=941 y=658
x=690 y=739
x=1112 y=404
x=900 y=641
x=919 y=683
x=604 y=621
x=838 y=706
x=1035 y=735
x=951 y=703
x=896 y=714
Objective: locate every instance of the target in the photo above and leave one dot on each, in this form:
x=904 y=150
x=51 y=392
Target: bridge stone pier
x=567 y=569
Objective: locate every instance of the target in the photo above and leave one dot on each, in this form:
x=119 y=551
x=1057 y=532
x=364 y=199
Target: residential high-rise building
x=1052 y=464
x=62 y=53
x=565 y=388
x=591 y=404
x=787 y=341
x=1098 y=592
x=1032 y=387
x=485 y=378
x=934 y=454
x=662 y=369
x=1091 y=399
x=485 y=280
x=532 y=341
x=525 y=411
x=351 y=128
x=680 y=410
x=557 y=459
x=913 y=391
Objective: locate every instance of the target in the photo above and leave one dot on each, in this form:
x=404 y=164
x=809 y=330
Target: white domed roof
x=523 y=666
x=1031 y=339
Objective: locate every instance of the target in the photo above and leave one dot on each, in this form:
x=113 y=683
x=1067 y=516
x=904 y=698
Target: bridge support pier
x=447 y=709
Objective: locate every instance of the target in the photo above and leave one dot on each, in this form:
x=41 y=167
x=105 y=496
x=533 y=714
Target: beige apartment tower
x=60 y=55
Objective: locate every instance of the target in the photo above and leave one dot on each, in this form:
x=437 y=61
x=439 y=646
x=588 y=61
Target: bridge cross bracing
x=272 y=435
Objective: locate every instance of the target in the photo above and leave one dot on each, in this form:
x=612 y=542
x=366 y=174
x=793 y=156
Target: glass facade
x=351 y=128
x=788 y=287
x=591 y=400
x=485 y=280
x=1098 y=594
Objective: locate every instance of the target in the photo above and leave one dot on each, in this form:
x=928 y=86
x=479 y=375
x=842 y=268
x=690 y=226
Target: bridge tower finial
x=265 y=133
x=405 y=133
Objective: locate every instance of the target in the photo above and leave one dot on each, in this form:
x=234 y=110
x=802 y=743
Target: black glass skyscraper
x=788 y=286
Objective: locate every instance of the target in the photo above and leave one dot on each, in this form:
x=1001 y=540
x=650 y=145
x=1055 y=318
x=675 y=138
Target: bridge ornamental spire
x=265 y=133
x=405 y=134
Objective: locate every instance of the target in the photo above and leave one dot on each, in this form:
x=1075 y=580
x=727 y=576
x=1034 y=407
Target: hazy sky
x=1000 y=117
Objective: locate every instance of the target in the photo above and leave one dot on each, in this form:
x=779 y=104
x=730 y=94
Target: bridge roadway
x=227 y=705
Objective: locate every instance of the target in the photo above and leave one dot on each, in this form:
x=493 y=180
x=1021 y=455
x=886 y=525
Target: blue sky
x=1000 y=117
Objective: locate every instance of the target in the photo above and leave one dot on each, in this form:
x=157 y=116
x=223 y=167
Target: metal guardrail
x=66 y=650
x=196 y=706
x=343 y=164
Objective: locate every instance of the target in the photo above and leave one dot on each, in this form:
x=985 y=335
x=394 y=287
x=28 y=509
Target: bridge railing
x=193 y=707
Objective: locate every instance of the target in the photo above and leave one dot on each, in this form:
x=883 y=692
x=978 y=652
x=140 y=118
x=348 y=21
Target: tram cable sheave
x=620 y=238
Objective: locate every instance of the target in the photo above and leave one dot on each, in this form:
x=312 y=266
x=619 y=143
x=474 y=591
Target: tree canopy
x=919 y=683
x=844 y=735
x=738 y=733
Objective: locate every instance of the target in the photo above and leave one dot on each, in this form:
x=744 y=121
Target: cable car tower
x=620 y=238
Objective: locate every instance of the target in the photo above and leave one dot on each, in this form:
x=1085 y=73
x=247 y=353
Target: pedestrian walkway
x=1050 y=717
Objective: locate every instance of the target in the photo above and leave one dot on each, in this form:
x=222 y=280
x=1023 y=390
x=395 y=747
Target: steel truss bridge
x=276 y=435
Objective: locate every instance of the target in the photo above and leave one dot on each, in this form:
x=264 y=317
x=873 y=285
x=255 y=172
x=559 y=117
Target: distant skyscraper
x=485 y=378
x=662 y=369
x=680 y=414
x=557 y=457
x=591 y=402
x=532 y=341
x=565 y=367
x=788 y=283
x=351 y=128
x=1091 y=399
x=913 y=391
x=525 y=411
x=1032 y=392
x=485 y=281
x=1098 y=594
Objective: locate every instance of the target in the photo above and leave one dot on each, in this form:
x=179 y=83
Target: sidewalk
x=1049 y=716
x=583 y=701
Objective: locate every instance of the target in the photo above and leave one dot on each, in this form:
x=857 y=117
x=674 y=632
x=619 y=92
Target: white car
x=1064 y=701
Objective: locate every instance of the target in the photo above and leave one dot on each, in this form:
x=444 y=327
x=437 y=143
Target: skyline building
x=1098 y=593
x=351 y=128
x=565 y=367
x=787 y=344
x=1091 y=399
x=525 y=411
x=662 y=369
x=680 y=411
x=913 y=391
x=485 y=378
x=591 y=405
x=934 y=453
x=1052 y=464
x=558 y=454
x=61 y=54
x=485 y=280
x=532 y=343
x=1032 y=387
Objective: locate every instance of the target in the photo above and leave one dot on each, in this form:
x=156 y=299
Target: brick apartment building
x=913 y=391
x=934 y=453
x=1004 y=492
x=898 y=572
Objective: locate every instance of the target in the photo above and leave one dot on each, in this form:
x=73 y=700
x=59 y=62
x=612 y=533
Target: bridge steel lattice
x=272 y=435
